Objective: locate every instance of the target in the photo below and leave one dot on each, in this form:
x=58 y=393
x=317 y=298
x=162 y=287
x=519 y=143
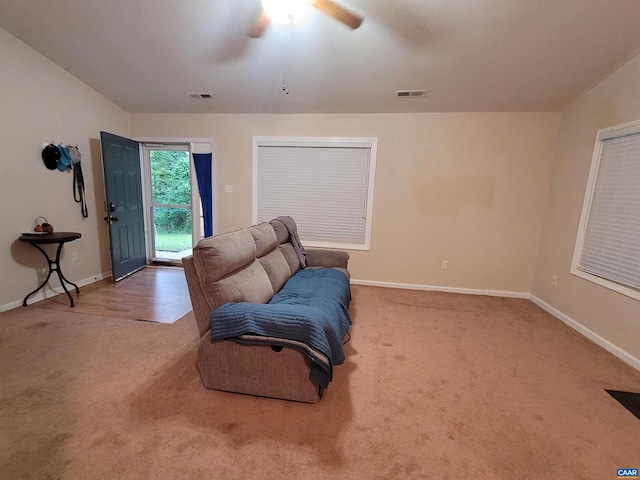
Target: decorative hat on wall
x=50 y=156
x=65 y=159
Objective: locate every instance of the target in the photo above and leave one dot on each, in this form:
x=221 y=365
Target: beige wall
x=468 y=188
x=40 y=102
x=611 y=315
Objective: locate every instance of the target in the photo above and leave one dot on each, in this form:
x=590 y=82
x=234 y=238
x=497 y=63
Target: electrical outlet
x=74 y=256
x=554 y=280
x=228 y=189
x=445 y=264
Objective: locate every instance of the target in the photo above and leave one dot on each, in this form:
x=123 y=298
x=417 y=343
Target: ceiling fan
x=285 y=11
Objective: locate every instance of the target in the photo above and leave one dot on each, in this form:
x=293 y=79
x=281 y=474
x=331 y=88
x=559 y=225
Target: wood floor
x=154 y=294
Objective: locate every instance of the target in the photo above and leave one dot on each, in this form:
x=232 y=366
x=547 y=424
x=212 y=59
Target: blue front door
x=125 y=214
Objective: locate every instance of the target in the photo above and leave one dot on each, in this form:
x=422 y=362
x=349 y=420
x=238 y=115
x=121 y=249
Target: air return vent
x=201 y=96
x=410 y=93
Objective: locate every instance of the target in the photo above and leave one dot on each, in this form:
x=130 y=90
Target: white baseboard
x=436 y=288
x=52 y=292
x=623 y=355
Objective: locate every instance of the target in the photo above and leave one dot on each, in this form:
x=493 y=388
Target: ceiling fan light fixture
x=286 y=11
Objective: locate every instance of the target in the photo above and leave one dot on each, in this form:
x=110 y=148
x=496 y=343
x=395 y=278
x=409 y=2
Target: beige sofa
x=251 y=265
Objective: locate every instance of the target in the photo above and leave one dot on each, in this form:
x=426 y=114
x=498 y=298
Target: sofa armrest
x=199 y=303
x=326 y=258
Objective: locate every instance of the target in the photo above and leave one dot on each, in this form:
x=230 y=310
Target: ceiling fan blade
x=337 y=12
x=259 y=27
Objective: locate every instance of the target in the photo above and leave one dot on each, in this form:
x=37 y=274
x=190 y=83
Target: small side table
x=54 y=265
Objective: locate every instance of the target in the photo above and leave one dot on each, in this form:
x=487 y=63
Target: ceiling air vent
x=411 y=93
x=201 y=96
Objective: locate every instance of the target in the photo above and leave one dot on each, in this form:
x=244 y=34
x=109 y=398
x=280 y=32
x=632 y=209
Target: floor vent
x=201 y=96
x=411 y=93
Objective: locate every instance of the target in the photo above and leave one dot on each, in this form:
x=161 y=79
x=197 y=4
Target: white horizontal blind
x=611 y=245
x=324 y=189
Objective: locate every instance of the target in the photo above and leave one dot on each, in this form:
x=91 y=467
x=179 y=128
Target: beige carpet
x=436 y=386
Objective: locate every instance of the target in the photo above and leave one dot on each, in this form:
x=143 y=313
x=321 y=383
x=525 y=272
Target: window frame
x=602 y=135
x=370 y=143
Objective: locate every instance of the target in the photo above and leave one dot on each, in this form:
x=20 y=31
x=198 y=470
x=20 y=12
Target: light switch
x=228 y=189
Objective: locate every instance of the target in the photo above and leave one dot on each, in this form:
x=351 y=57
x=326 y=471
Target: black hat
x=50 y=156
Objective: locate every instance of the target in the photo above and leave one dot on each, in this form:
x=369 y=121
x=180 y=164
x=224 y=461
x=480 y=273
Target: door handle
x=110 y=219
x=112 y=207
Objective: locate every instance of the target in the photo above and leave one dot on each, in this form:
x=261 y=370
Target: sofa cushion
x=277 y=268
x=249 y=284
x=272 y=259
x=290 y=256
x=228 y=271
x=218 y=256
x=264 y=237
x=282 y=234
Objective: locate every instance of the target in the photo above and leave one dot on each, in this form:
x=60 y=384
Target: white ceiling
x=470 y=55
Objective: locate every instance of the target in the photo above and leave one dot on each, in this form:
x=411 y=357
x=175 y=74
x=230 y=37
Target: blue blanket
x=312 y=308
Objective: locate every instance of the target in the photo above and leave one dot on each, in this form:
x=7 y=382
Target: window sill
x=603 y=282
x=336 y=246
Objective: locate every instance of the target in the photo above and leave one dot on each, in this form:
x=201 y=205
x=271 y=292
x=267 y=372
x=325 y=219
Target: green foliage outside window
x=171 y=185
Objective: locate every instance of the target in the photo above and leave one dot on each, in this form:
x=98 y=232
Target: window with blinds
x=608 y=244
x=324 y=184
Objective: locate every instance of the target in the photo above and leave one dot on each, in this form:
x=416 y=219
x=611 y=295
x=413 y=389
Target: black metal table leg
x=24 y=302
x=61 y=276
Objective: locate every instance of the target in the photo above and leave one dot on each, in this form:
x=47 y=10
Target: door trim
x=194 y=145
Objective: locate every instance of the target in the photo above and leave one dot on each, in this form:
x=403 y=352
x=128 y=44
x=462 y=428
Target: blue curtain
x=202 y=163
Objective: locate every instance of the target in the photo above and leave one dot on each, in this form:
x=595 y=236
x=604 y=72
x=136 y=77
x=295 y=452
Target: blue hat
x=65 y=158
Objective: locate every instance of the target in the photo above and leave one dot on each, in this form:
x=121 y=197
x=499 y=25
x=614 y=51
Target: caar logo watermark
x=627 y=473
